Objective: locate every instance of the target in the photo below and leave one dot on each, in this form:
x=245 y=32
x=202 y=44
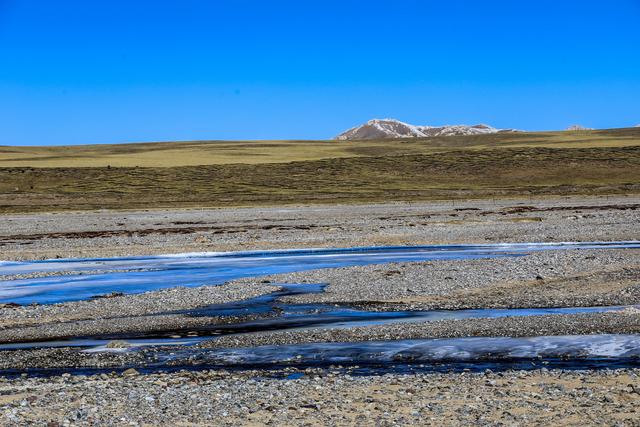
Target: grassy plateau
x=246 y=173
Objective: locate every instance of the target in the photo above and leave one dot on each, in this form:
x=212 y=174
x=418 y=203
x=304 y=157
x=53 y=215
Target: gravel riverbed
x=126 y=233
x=133 y=314
x=526 y=326
x=540 y=279
x=325 y=397
x=331 y=396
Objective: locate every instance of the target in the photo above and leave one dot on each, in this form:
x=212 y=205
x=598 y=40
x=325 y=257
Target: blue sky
x=85 y=72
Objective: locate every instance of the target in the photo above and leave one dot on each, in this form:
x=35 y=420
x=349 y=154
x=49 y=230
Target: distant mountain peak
x=578 y=127
x=393 y=128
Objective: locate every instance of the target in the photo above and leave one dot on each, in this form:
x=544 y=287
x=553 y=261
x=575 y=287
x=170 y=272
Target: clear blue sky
x=109 y=71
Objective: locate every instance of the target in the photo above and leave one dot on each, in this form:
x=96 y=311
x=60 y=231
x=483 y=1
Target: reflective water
x=156 y=272
x=287 y=372
x=290 y=317
x=420 y=351
x=148 y=273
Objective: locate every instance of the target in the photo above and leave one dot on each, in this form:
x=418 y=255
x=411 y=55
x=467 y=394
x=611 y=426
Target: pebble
x=250 y=397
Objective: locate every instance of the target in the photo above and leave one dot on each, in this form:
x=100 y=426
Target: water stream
x=281 y=316
x=78 y=279
x=606 y=346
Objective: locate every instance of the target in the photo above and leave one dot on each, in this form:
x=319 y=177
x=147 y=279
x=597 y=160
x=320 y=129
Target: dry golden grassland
x=185 y=174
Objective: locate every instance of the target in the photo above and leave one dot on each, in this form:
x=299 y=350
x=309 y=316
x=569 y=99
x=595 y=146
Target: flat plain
x=336 y=395
x=270 y=173
x=171 y=198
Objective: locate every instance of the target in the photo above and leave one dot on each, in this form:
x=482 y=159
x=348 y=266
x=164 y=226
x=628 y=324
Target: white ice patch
x=141 y=274
x=439 y=350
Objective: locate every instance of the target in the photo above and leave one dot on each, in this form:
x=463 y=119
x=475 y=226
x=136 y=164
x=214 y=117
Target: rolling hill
x=242 y=173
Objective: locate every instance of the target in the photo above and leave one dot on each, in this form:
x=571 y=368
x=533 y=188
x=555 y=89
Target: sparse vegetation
x=599 y=162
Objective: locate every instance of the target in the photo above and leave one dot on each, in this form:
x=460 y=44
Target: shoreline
x=540 y=397
x=113 y=233
x=573 y=278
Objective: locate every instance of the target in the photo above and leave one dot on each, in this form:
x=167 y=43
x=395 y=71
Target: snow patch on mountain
x=578 y=127
x=392 y=128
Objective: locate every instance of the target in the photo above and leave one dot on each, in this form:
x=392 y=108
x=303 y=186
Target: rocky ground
x=107 y=233
x=543 y=325
x=540 y=279
x=320 y=397
x=543 y=279
x=120 y=313
x=538 y=397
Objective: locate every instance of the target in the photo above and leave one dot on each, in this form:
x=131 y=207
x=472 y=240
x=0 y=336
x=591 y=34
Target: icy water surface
x=609 y=351
x=140 y=274
x=78 y=279
x=291 y=317
x=423 y=351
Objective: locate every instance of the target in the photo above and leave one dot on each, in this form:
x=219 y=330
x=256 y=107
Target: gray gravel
x=40 y=274
x=68 y=357
x=147 y=303
x=38 y=236
x=129 y=313
x=529 y=326
x=557 y=278
x=539 y=397
x=625 y=322
x=541 y=279
x=326 y=397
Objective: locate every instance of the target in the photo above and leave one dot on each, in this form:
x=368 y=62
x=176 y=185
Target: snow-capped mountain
x=391 y=128
x=578 y=127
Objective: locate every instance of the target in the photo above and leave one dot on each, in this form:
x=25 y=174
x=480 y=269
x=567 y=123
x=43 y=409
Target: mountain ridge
x=393 y=128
